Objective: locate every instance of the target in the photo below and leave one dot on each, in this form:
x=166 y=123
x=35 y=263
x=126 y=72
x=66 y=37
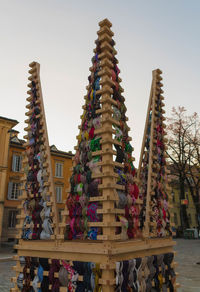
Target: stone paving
x=188 y=254
x=6 y=273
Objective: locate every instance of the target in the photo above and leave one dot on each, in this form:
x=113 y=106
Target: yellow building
x=5 y=126
x=11 y=148
x=191 y=210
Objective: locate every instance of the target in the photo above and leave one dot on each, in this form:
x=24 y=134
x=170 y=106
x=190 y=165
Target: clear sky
x=60 y=35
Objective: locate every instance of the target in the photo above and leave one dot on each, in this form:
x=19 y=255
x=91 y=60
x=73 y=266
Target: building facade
x=191 y=210
x=11 y=149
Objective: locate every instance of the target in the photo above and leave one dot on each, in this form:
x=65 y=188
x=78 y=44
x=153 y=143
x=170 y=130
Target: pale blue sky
x=60 y=35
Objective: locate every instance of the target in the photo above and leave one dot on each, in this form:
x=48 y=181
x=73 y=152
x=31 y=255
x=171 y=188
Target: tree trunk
x=195 y=197
x=197 y=206
x=183 y=210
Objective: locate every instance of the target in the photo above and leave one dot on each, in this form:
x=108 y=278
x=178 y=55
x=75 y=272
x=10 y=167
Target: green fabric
x=128 y=148
x=95 y=144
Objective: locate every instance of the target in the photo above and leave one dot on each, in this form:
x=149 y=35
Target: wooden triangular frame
x=152 y=170
x=37 y=182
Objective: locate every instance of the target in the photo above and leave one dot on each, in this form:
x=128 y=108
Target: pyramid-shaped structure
x=38 y=213
x=152 y=171
x=103 y=199
x=100 y=244
x=37 y=218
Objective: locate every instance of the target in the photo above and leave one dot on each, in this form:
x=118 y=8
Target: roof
x=10 y=120
x=55 y=151
x=13 y=131
x=15 y=141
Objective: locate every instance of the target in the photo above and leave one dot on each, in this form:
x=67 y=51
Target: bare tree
x=181 y=153
x=193 y=177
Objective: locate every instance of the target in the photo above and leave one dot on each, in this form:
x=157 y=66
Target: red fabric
x=113 y=75
x=91 y=133
x=136 y=191
x=164 y=214
x=79 y=178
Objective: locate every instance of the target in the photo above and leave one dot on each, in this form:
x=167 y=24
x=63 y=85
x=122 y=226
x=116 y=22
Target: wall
x=190 y=209
x=5 y=126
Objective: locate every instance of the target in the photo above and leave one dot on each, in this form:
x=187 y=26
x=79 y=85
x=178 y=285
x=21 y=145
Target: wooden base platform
x=96 y=251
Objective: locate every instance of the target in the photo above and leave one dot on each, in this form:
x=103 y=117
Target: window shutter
x=17 y=192
x=58 y=169
x=20 y=189
x=20 y=163
x=10 y=185
x=14 y=162
x=56 y=174
x=59 y=194
x=61 y=170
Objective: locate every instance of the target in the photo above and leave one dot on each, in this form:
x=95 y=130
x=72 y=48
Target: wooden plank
x=111 y=120
x=106 y=89
x=109 y=237
x=108 y=100
x=112 y=141
x=110 y=163
x=112 y=197
x=104 y=152
x=105 y=29
x=110 y=211
x=105 y=110
x=104 y=224
x=103 y=130
x=105 y=54
x=105 y=174
x=111 y=186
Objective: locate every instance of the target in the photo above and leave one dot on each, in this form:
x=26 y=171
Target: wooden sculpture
x=102 y=242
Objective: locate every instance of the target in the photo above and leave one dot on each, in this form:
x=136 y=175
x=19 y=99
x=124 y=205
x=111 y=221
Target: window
x=16 y=163
x=13 y=190
x=59 y=194
x=12 y=218
x=175 y=219
x=59 y=169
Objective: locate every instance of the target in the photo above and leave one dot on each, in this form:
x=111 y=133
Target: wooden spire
x=110 y=99
x=38 y=194
x=152 y=171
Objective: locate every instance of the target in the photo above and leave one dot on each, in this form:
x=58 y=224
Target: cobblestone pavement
x=188 y=254
x=6 y=273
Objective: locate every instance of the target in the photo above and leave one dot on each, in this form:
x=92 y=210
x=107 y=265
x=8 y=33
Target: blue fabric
x=40 y=275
